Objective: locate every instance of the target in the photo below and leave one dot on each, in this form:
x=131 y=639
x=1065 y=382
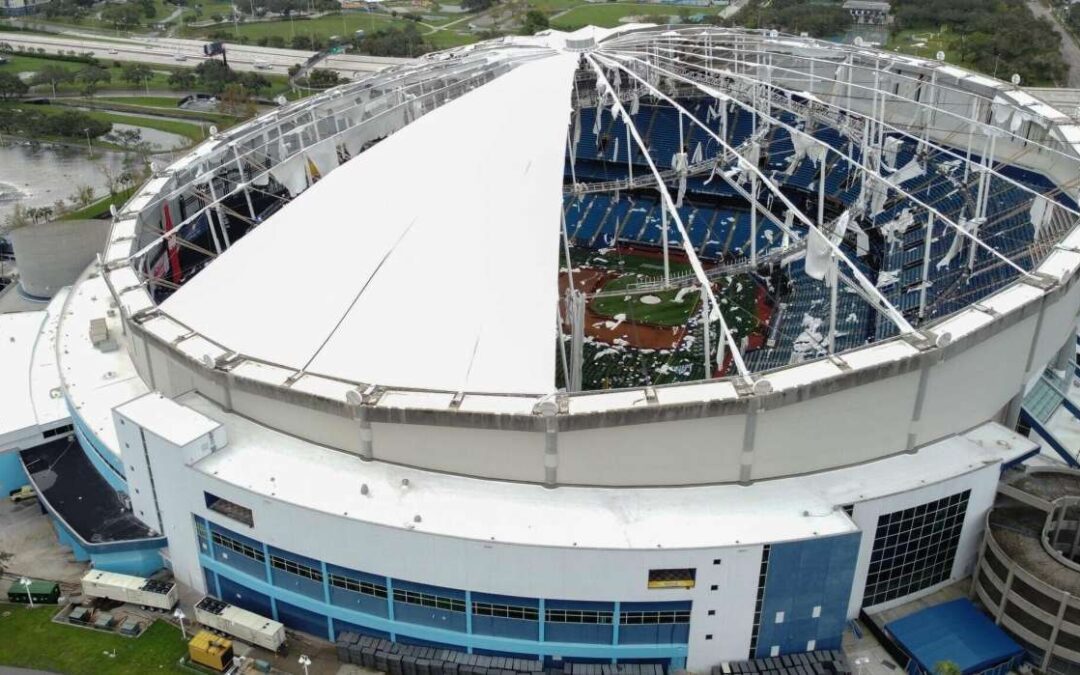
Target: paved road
x=176 y=52
x=1069 y=51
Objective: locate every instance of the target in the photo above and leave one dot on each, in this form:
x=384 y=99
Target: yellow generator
x=212 y=651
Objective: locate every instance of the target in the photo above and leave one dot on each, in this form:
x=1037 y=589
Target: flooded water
x=158 y=140
x=38 y=176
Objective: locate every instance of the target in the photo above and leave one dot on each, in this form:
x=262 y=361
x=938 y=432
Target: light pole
x=25 y=583
x=305 y=662
x=89 y=147
x=180 y=616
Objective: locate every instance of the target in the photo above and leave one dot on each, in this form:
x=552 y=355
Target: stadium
x=635 y=346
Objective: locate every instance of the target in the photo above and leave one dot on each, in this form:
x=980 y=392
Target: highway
x=180 y=52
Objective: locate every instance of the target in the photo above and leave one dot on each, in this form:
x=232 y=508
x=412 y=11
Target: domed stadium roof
x=739 y=199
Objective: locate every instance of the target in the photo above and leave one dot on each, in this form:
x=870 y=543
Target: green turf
x=634 y=306
x=100 y=207
x=609 y=14
x=323 y=27
x=18 y=63
x=612 y=366
x=29 y=639
x=168 y=102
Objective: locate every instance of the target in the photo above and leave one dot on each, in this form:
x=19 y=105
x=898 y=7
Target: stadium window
x=293 y=567
x=240 y=514
x=672 y=578
x=505 y=611
x=577 y=616
x=914 y=548
x=238 y=547
x=654 y=618
x=357 y=586
x=428 y=600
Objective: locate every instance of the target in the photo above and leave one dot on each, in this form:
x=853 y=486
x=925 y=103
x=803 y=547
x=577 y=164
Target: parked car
x=22 y=494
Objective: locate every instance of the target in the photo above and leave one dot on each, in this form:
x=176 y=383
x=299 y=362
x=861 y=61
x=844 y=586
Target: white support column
x=706 y=312
x=926 y=264
x=576 y=309
x=971 y=136
x=664 y=243
x=753 y=219
x=217 y=208
x=834 y=284
x=821 y=195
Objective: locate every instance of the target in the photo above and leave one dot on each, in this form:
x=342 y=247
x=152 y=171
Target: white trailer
x=133 y=590
x=240 y=623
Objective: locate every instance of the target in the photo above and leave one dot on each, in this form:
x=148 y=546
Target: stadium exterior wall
x=894 y=405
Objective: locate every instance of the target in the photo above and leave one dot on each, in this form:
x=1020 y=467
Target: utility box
x=212 y=651
x=45 y=592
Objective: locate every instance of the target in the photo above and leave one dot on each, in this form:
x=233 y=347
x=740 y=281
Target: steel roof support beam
x=881 y=302
x=669 y=204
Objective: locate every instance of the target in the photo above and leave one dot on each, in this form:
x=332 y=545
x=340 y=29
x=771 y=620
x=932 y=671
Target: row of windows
x=651 y=618
x=577 y=616
x=239 y=547
x=428 y=600
x=505 y=611
x=356 y=586
x=296 y=568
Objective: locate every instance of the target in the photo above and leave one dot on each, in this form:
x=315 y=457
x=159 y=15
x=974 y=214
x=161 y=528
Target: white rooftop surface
x=167 y=419
x=29 y=397
x=95 y=381
x=289 y=469
x=467 y=198
x=18 y=333
x=114 y=579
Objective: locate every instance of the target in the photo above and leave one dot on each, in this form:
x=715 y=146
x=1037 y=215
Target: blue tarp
x=953 y=631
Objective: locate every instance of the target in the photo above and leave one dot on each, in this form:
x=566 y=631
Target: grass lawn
x=192 y=132
x=666 y=312
x=31 y=640
x=146 y=101
x=342 y=25
x=608 y=15
x=100 y=207
x=445 y=39
x=927 y=43
x=18 y=63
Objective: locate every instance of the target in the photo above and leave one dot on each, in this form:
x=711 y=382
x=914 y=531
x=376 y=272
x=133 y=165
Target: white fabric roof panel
x=429 y=261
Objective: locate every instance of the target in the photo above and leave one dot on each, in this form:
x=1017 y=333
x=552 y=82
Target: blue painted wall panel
x=802 y=576
x=301 y=619
x=589 y=633
x=241 y=596
x=140 y=563
x=343 y=626
x=517 y=628
x=297 y=584
x=429 y=616
x=358 y=602
x=12 y=476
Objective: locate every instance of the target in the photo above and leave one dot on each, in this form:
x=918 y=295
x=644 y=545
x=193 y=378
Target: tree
x=137 y=73
x=476 y=5
x=182 y=80
x=214 y=76
x=394 y=41
x=946 y=668
x=92 y=76
x=255 y=82
x=321 y=78
x=5 y=558
x=11 y=86
x=535 y=21
x=121 y=17
x=53 y=75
